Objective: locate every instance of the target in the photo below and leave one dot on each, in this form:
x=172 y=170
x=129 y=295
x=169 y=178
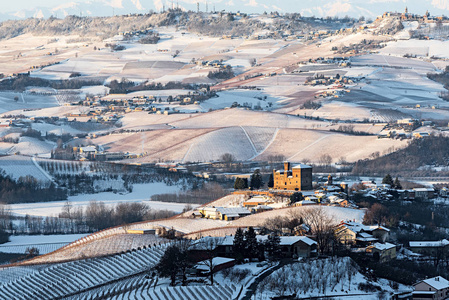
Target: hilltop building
x=432 y=288
x=297 y=178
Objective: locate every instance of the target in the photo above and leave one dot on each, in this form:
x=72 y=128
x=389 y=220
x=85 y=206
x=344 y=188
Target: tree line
x=95 y=216
x=22 y=82
x=429 y=151
x=28 y=189
x=125 y=86
x=181 y=255
x=255 y=182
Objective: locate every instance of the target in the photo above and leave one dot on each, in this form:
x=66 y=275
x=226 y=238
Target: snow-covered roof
x=233 y=211
x=438 y=282
x=228 y=210
x=306 y=202
x=424 y=292
x=441 y=243
x=289 y=240
x=358 y=227
x=302 y=166
x=423 y=190
x=384 y=246
x=365 y=235
x=374 y=227
x=263 y=207
x=216 y=261
x=284 y=240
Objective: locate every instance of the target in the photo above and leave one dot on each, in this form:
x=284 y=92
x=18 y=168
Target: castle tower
x=329 y=180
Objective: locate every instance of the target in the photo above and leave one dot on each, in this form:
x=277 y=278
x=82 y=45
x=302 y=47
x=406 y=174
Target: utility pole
x=197 y=7
x=206 y=6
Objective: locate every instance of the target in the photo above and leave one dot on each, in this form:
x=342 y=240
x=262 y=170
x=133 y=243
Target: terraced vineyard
x=21 y=166
x=72 y=278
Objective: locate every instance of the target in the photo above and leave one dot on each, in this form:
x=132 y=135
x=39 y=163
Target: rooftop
x=384 y=246
x=302 y=166
x=441 y=243
x=438 y=282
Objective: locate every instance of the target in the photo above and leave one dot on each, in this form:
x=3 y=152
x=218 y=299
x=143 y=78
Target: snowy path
x=250 y=141
x=269 y=144
x=33 y=159
x=302 y=150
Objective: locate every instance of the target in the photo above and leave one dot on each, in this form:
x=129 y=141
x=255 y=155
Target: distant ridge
x=318 y=8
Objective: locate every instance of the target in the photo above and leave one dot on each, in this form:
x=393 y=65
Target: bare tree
x=209 y=245
x=325 y=160
x=321 y=226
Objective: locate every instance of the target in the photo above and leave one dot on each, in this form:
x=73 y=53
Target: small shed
x=141 y=231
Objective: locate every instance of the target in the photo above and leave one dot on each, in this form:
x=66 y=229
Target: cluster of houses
x=384 y=192
x=340 y=82
x=25 y=122
x=212 y=63
x=407 y=16
x=93 y=154
x=137 y=32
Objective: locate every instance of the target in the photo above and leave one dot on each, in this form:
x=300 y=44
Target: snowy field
x=25 y=101
x=336 y=213
x=21 y=166
x=44 y=243
x=141 y=194
x=243 y=97
x=33 y=146
x=336 y=277
x=420 y=48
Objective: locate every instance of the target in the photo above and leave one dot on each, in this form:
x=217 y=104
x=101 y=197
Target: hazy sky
x=306 y=7
x=13 y=5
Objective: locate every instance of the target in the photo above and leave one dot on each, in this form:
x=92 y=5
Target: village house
x=430 y=248
x=383 y=252
x=257 y=201
x=353 y=233
x=224 y=213
x=424 y=193
x=291 y=246
x=217 y=264
x=297 y=178
x=436 y=288
x=296 y=246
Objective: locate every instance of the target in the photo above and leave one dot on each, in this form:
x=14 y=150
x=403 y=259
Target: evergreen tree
x=388 y=180
x=273 y=246
x=397 y=184
x=237 y=183
x=245 y=183
x=252 y=245
x=240 y=183
x=4 y=236
x=168 y=266
x=256 y=180
x=295 y=197
x=239 y=245
x=271 y=181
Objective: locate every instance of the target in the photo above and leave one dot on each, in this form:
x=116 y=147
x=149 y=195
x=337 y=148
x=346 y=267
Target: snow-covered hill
x=320 y=8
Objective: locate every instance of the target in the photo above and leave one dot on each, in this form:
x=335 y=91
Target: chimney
x=286 y=166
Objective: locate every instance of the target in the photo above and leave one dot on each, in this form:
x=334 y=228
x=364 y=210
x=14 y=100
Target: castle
x=297 y=178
